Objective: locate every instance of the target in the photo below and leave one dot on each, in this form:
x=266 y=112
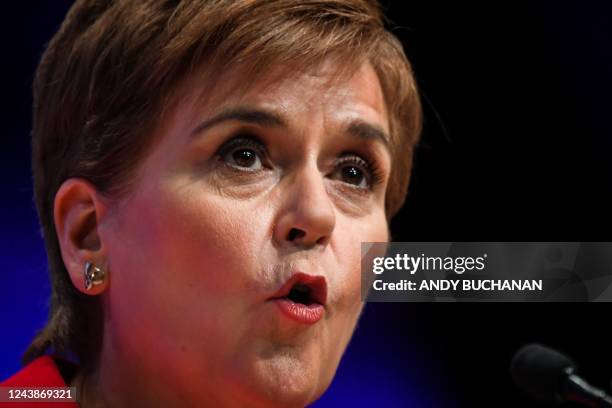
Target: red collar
x=41 y=372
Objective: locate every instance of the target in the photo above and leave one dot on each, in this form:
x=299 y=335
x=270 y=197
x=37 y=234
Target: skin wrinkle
x=173 y=324
x=196 y=251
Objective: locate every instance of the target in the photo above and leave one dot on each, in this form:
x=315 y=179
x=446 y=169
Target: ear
x=77 y=210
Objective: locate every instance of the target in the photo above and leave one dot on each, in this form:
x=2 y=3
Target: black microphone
x=549 y=376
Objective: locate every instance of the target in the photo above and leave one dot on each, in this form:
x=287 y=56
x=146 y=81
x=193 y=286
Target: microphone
x=550 y=377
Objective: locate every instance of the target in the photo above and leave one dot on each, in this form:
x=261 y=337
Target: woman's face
x=235 y=260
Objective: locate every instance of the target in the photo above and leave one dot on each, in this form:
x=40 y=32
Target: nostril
x=295 y=234
x=322 y=240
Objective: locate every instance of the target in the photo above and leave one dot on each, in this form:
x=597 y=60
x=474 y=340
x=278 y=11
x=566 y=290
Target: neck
x=88 y=394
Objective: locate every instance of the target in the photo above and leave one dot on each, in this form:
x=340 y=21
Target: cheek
x=179 y=265
x=349 y=236
x=182 y=237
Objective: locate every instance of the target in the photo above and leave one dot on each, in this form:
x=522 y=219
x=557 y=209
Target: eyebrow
x=367 y=131
x=262 y=117
x=255 y=116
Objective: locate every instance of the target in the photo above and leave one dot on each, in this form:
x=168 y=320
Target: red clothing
x=41 y=372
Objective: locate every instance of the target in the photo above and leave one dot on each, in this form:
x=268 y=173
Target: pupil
x=244 y=158
x=352 y=174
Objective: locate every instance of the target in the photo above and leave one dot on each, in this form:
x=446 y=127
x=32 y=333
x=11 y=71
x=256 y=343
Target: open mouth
x=302 y=298
x=304 y=289
x=301 y=294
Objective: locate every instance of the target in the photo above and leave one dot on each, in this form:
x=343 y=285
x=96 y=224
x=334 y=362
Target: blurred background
x=516 y=147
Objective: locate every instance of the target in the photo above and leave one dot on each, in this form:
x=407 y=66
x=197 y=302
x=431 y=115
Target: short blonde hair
x=114 y=64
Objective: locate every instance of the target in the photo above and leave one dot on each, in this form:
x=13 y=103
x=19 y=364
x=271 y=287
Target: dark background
x=516 y=147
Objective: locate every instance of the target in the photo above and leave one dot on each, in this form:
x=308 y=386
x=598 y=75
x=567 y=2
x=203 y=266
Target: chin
x=283 y=397
x=284 y=381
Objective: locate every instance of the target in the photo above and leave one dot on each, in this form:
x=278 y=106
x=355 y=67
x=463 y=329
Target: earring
x=93 y=275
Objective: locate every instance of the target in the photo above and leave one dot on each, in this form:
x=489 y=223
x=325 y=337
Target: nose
x=306 y=216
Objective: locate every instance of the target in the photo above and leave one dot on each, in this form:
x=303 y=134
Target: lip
x=300 y=312
x=307 y=314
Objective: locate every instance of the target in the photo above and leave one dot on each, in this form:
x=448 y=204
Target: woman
x=205 y=172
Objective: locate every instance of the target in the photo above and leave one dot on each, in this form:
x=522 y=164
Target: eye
x=243 y=157
x=243 y=152
x=355 y=171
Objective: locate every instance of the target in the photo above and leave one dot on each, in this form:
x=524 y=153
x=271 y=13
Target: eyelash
x=373 y=173
x=242 y=140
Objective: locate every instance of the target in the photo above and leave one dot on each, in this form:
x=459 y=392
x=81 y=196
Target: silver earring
x=93 y=275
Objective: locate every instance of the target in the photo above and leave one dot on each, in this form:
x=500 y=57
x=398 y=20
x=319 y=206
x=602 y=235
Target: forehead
x=342 y=92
